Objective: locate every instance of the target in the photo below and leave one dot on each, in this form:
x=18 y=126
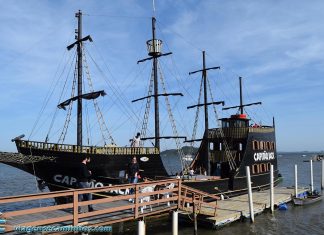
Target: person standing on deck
x=132 y=172
x=135 y=142
x=84 y=178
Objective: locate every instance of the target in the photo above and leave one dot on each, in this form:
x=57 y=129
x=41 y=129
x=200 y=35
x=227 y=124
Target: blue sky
x=276 y=46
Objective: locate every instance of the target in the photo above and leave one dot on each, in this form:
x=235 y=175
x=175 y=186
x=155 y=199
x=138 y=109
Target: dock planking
x=236 y=208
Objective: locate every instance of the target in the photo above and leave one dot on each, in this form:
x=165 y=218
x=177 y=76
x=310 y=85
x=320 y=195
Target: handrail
x=174 y=196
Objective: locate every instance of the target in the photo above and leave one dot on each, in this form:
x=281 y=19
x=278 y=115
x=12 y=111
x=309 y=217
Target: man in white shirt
x=136 y=140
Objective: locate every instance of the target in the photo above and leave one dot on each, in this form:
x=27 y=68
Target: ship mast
x=241 y=106
x=79 y=51
x=241 y=96
x=205 y=104
x=155 y=53
x=79 y=42
x=154 y=47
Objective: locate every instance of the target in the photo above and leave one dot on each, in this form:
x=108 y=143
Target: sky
x=276 y=46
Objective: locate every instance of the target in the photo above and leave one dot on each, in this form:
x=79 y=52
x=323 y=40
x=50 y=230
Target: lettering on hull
x=265 y=156
x=65 y=179
x=70 y=180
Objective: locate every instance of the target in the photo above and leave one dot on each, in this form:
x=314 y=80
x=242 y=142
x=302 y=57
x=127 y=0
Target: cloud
x=277 y=48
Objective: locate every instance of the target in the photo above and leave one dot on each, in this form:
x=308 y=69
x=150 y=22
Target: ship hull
x=59 y=169
x=108 y=165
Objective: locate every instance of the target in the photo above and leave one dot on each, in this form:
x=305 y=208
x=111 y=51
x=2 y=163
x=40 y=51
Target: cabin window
x=240 y=146
x=255 y=145
x=268 y=145
x=211 y=146
x=225 y=124
x=268 y=166
x=264 y=167
x=261 y=145
x=255 y=169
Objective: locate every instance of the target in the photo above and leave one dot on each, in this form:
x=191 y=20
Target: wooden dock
x=237 y=208
x=149 y=198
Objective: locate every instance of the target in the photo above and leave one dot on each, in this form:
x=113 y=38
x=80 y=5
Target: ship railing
x=239 y=132
x=107 y=150
x=261 y=129
x=233 y=132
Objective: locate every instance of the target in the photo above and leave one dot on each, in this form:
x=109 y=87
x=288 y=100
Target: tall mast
x=204 y=74
x=78 y=43
x=156 y=89
x=241 y=96
x=206 y=160
x=241 y=106
x=154 y=47
x=79 y=51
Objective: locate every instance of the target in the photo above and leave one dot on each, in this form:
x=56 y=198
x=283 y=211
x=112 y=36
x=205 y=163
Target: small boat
x=316 y=158
x=309 y=199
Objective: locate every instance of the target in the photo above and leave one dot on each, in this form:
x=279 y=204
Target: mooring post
x=248 y=178
x=175 y=223
x=271 y=189
x=75 y=208
x=194 y=215
x=141 y=227
x=296 y=186
x=312 y=181
x=322 y=183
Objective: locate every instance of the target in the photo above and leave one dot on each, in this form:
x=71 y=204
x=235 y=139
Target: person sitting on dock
x=132 y=172
x=135 y=142
x=83 y=182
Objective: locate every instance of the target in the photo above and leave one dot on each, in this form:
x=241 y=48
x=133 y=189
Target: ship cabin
x=238 y=120
x=236 y=139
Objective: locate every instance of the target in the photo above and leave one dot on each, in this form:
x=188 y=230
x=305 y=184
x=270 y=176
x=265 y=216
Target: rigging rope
x=147 y=108
x=61 y=95
x=102 y=124
x=194 y=131
x=117 y=92
x=173 y=124
x=49 y=94
x=69 y=112
x=220 y=133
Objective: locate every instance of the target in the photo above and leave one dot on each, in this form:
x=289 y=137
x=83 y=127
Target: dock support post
x=312 y=181
x=175 y=223
x=248 y=178
x=271 y=189
x=322 y=183
x=75 y=208
x=296 y=185
x=141 y=227
x=194 y=215
x=195 y=220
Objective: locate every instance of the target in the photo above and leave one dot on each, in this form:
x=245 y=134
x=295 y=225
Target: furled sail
x=87 y=96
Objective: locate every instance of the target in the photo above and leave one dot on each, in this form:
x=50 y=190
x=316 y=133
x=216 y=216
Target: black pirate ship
x=219 y=164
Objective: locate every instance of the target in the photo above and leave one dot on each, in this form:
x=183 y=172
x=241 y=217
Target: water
x=296 y=220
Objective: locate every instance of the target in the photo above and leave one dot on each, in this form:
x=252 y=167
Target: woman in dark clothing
x=132 y=172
